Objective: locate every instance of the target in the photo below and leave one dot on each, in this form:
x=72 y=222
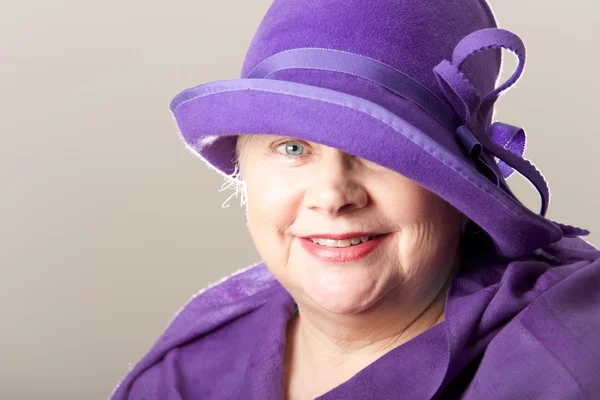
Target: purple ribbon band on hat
x=364 y=67
x=504 y=141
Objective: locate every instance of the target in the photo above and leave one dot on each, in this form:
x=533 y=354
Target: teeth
x=341 y=243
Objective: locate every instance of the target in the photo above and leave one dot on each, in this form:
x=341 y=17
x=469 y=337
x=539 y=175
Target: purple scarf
x=519 y=329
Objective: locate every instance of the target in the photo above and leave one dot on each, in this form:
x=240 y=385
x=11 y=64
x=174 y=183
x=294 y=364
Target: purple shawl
x=526 y=328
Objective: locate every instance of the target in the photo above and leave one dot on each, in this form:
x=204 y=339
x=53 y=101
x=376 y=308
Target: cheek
x=435 y=227
x=415 y=207
x=271 y=201
x=429 y=232
x=272 y=207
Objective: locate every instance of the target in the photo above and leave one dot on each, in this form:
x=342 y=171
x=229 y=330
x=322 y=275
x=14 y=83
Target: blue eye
x=292 y=147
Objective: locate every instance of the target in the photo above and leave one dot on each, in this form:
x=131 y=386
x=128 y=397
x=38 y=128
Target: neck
x=319 y=345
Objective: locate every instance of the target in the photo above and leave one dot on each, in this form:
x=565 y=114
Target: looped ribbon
x=504 y=141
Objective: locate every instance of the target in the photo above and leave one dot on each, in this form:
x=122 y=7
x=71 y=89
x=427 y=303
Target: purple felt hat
x=407 y=84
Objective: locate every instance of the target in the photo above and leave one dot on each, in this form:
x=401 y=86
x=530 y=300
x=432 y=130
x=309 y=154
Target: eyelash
x=278 y=145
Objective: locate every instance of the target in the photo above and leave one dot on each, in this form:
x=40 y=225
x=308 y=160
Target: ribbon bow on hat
x=506 y=142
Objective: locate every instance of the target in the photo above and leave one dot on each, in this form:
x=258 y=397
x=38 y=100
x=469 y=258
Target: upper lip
x=341 y=236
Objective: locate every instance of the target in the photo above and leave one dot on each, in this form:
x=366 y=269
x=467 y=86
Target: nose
x=336 y=188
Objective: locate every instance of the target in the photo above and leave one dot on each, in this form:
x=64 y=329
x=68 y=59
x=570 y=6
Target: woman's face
x=297 y=188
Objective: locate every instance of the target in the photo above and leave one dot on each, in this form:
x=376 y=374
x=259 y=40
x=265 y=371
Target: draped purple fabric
x=520 y=329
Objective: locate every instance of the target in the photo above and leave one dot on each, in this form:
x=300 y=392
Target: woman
x=396 y=261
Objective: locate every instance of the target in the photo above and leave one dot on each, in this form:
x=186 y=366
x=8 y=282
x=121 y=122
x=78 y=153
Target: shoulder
x=203 y=336
x=551 y=348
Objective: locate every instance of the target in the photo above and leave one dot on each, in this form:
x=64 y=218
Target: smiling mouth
x=334 y=244
x=344 y=253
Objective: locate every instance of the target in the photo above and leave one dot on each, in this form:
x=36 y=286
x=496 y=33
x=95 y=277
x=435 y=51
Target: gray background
x=109 y=225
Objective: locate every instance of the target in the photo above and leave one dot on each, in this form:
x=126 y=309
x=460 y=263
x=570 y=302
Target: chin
x=342 y=300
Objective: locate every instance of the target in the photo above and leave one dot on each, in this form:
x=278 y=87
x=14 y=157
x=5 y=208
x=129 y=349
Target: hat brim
x=212 y=115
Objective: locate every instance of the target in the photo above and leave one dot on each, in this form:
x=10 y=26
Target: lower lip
x=342 y=254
